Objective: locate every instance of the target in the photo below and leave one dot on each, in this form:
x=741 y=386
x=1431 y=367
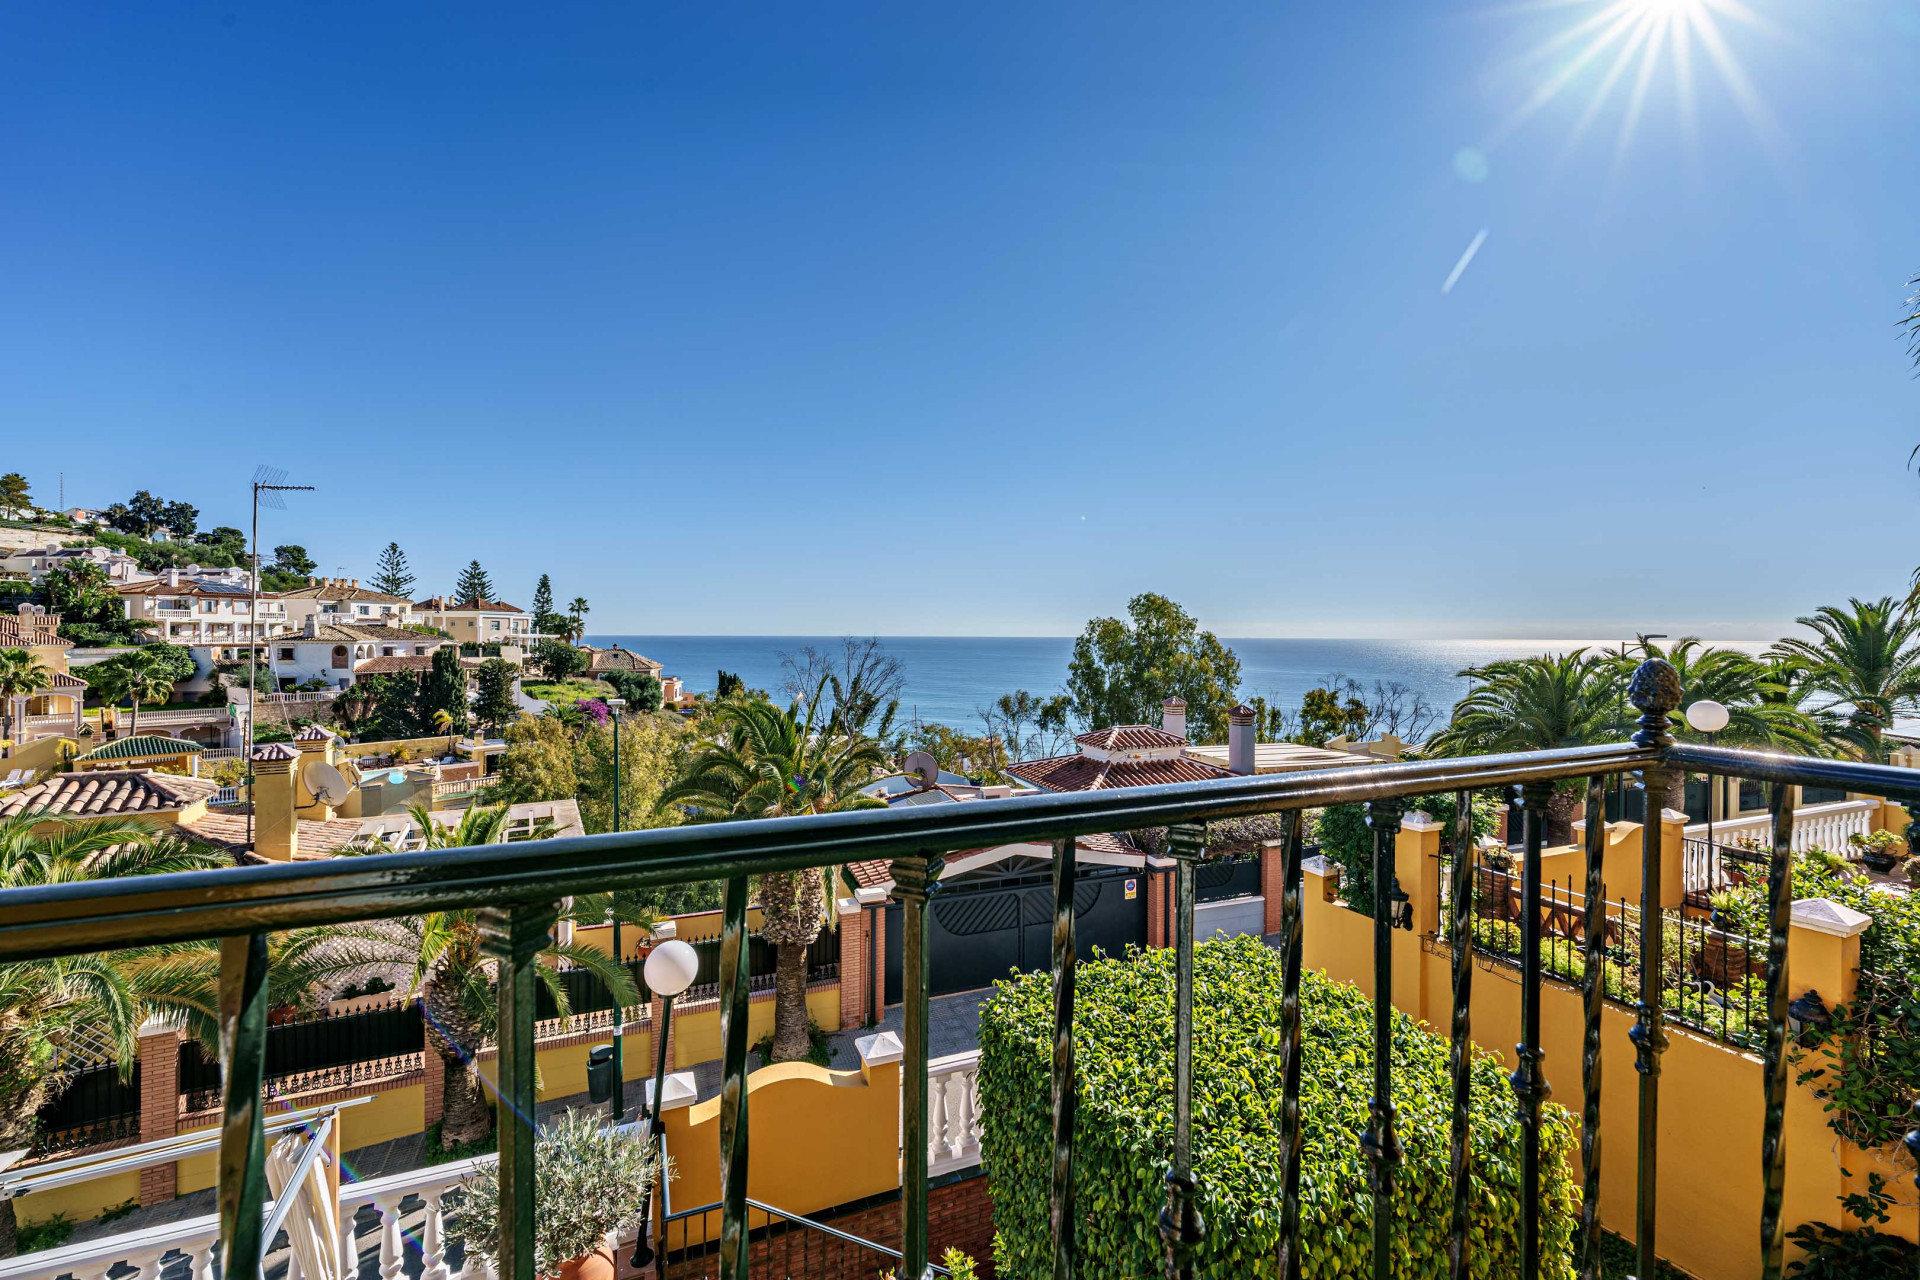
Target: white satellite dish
x=926 y=766
x=328 y=784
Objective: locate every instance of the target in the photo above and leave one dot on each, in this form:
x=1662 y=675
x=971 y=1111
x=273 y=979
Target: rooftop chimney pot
x=1240 y=754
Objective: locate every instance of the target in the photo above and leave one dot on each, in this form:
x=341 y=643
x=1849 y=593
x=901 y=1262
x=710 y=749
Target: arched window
x=340 y=657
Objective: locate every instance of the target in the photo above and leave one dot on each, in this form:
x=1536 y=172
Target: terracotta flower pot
x=597 y=1265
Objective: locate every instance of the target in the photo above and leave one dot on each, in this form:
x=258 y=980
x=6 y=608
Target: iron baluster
x=1292 y=844
x=914 y=879
x=1593 y=992
x=514 y=936
x=734 y=989
x=1381 y=1144
x=1530 y=1086
x=243 y=1139
x=1773 y=1149
x=1065 y=1098
x=1461 y=1049
x=1655 y=692
x=1181 y=1227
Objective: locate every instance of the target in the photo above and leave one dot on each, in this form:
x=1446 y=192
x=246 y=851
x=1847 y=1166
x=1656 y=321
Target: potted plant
x=1722 y=906
x=590 y=1182
x=1877 y=850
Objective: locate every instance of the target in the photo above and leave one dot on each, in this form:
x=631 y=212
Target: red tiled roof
x=871 y=874
x=443 y=604
x=395 y=662
x=1130 y=737
x=108 y=793
x=1084 y=773
x=317 y=839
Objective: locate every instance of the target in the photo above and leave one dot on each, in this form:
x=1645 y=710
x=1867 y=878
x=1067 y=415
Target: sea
x=949 y=679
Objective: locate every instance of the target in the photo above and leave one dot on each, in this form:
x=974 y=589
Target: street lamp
x=1708 y=717
x=619 y=1103
x=670 y=970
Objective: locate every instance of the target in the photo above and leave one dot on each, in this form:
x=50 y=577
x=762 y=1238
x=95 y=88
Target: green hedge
x=1124 y=1033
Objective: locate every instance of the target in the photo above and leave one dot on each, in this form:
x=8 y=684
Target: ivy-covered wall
x=1124 y=1035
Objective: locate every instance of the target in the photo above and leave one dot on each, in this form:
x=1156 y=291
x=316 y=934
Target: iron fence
x=89 y=1107
x=777 y=1245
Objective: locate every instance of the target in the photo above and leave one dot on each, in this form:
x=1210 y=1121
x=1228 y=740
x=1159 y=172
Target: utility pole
x=270 y=481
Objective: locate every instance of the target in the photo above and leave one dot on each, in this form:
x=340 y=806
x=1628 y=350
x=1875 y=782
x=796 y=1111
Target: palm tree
x=441 y=956
x=1537 y=704
x=774 y=762
x=1864 y=662
x=769 y=763
x=20 y=675
x=577 y=610
x=72 y=1003
x=1758 y=696
x=134 y=676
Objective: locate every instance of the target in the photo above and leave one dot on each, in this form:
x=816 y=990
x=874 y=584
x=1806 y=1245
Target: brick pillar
x=1157 y=888
x=1273 y=882
x=877 y=938
x=434 y=1090
x=854 y=998
x=159 y=1103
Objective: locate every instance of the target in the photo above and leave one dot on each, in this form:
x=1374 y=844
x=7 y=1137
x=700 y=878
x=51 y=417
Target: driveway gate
x=977 y=932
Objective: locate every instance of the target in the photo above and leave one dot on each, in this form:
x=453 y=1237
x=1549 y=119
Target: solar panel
x=223 y=589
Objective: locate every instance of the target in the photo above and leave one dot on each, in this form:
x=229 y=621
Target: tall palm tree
x=769 y=763
x=441 y=957
x=134 y=676
x=74 y=1003
x=1537 y=704
x=1758 y=696
x=1864 y=662
x=20 y=674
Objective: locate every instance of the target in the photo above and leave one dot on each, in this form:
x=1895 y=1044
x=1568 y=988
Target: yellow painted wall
x=390 y=1114
x=842 y=1128
x=81 y=1201
x=42 y=753
x=563 y=1068
x=702 y=925
x=696 y=1034
x=419 y=748
x=1711 y=1097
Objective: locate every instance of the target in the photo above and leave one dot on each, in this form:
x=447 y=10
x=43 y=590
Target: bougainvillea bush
x=1123 y=1024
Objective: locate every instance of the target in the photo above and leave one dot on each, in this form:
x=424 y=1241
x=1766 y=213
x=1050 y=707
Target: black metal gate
x=977 y=933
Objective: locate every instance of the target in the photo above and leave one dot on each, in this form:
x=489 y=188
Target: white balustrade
x=1824 y=826
x=953 y=1112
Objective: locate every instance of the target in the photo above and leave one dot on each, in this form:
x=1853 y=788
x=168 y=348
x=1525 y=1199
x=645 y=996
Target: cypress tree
x=392 y=577
x=444 y=689
x=474 y=585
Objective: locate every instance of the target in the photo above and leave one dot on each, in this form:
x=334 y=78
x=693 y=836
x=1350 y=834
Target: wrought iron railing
x=777 y=1243
x=519 y=898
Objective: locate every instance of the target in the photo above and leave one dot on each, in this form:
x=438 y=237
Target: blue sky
x=978 y=319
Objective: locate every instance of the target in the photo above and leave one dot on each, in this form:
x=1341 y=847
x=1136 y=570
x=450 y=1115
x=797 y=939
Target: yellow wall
x=81 y=1201
x=42 y=753
x=563 y=1068
x=1711 y=1095
x=696 y=1033
x=842 y=1129
x=419 y=748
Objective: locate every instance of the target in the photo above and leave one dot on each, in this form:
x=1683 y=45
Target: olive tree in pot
x=589 y=1183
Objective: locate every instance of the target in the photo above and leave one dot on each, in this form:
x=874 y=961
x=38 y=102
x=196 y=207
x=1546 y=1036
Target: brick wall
x=855 y=998
x=959 y=1216
x=159 y=1105
x=1273 y=883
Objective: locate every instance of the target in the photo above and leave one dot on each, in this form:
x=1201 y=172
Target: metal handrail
x=810 y=1223
x=88 y=916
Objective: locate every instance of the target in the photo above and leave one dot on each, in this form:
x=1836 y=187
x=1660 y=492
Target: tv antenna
x=268 y=484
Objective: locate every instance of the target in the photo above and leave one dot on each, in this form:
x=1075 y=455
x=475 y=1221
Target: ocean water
x=950 y=678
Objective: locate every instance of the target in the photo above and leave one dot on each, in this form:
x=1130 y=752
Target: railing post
x=1065 y=1085
x=734 y=991
x=1593 y=993
x=1181 y=1226
x=1773 y=1152
x=1381 y=1144
x=1292 y=909
x=914 y=880
x=1529 y=1080
x=1460 y=935
x=1655 y=692
x=243 y=1139
x=514 y=936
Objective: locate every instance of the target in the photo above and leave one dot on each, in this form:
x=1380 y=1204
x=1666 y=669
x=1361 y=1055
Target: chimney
x=1173 y=716
x=313 y=622
x=276 y=822
x=1240 y=739
x=353 y=583
x=173 y=577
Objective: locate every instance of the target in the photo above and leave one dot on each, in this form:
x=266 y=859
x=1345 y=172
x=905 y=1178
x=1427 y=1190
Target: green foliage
x=1536 y=704
x=292 y=559
x=391 y=576
x=443 y=689
x=119 y=1211
x=1124 y=1049
x=1343 y=835
x=473 y=585
x=727 y=684
x=983 y=759
x=225 y=540
x=395 y=707
x=1864 y=662
x=819 y=1052
x=538 y=762
x=434 y=1152
x=558 y=659
x=495 y=706
x=1121 y=671
x=15 y=495
x=90 y=613
x=641 y=690
x=1836 y=1253
x=1323 y=716
x=48 y=1233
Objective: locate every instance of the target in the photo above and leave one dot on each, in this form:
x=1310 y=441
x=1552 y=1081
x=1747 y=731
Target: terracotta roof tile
x=277 y=751
x=1084 y=773
x=317 y=839
x=395 y=662
x=108 y=793
x=1130 y=737
x=441 y=604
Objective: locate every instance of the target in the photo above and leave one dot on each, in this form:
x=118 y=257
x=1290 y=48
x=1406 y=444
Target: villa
x=481 y=622
x=344 y=600
x=335 y=654
x=54 y=711
x=185 y=611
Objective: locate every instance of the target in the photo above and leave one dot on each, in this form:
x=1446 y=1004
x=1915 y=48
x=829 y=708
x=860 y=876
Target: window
x=1753 y=795
x=493 y=625
x=1822 y=795
x=1696 y=799
x=363 y=609
x=286 y=655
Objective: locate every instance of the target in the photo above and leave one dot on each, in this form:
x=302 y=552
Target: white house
x=37 y=563
x=334 y=654
x=183 y=611
x=344 y=600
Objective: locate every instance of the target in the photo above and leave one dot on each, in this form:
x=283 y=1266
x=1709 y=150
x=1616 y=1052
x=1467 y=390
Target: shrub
x=1124 y=1032
x=1835 y=1253
x=589 y=1181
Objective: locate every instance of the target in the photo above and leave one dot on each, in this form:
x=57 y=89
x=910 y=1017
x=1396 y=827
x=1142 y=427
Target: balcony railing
x=518 y=899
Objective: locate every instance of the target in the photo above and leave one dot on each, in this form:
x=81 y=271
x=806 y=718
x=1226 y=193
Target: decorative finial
x=1655 y=691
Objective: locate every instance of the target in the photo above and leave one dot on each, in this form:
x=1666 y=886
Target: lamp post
x=670 y=970
x=619 y=1103
x=1708 y=717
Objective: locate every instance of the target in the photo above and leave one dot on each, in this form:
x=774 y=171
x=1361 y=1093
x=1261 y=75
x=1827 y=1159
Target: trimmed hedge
x=1123 y=1027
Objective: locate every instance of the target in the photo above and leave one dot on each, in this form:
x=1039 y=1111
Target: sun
x=1614 y=52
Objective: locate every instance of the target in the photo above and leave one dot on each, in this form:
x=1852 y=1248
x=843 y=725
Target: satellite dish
x=328 y=784
x=926 y=766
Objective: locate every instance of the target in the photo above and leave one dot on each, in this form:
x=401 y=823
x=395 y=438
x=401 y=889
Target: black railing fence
x=518 y=899
x=88 y=1107
x=1228 y=878
x=777 y=1244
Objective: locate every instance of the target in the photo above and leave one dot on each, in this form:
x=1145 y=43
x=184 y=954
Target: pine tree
x=393 y=577
x=474 y=585
x=543 y=597
x=444 y=688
